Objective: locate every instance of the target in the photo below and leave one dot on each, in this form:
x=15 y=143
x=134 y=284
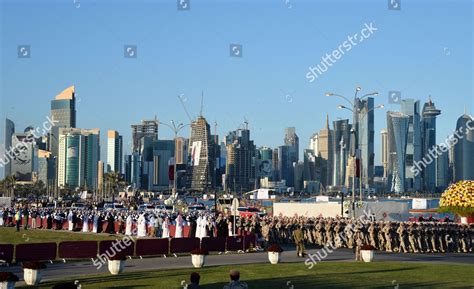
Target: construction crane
x=180 y=97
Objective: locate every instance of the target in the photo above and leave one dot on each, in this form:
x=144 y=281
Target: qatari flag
x=171 y=169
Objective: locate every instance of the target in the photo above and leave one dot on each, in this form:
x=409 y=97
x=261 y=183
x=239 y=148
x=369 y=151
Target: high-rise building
x=442 y=170
x=148 y=128
x=313 y=143
x=411 y=108
x=181 y=150
x=464 y=149
x=240 y=167
x=341 y=144
x=78 y=158
x=385 y=152
x=428 y=140
x=114 y=151
x=326 y=147
x=100 y=177
x=24 y=156
x=63 y=113
x=293 y=142
x=201 y=156
x=366 y=138
x=265 y=163
x=163 y=154
x=397 y=130
x=9 y=131
x=46 y=168
x=285 y=166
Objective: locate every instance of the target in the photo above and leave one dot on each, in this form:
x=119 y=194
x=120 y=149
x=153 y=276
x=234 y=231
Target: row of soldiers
x=387 y=236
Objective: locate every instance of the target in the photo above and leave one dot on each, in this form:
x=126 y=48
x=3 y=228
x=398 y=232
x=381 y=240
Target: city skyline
x=254 y=86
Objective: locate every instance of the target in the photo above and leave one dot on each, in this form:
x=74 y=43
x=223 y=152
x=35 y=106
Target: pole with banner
x=235 y=206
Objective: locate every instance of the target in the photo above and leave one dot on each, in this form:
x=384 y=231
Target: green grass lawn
x=323 y=275
x=11 y=236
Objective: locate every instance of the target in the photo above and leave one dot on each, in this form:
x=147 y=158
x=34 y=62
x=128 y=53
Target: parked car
x=249 y=212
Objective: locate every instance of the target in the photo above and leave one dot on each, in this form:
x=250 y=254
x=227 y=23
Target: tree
x=114 y=182
x=10 y=183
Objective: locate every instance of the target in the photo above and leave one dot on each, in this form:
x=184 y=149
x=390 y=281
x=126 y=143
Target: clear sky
x=426 y=48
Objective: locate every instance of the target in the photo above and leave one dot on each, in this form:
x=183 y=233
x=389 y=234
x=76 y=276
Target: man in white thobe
x=179 y=227
x=69 y=220
x=141 y=226
x=166 y=228
x=128 y=226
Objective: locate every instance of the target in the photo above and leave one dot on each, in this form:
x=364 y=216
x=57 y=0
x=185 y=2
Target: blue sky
x=423 y=49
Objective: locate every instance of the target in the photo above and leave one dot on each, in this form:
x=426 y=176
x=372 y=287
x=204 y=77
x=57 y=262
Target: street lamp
x=175 y=128
x=355 y=130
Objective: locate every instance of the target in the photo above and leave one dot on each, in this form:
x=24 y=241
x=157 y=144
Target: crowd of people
x=387 y=236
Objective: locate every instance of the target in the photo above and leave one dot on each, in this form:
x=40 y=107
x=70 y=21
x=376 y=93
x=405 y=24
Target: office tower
x=47 y=169
x=114 y=151
x=136 y=169
x=201 y=158
x=128 y=168
x=181 y=150
x=292 y=141
x=341 y=144
x=326 y=150
x=6 y=159
x=240 y=167
x=275 y=165
x=63 y=113
x=442 y=170
x=313 y=143
x=365 y=131
x=100 y=178
x=411 y=108
x=24 y=156
x=428 y=140
x=265 y=163
x=310 y=170
x=148 y=128
x=298 y=168
x=163 y=161
x=385 y=153
x=78 y=158
x=285 y=166
x=397 y=130
x=464 y=149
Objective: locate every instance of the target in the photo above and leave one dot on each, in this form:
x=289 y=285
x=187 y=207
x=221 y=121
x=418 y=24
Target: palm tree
x=114 y=181
x=10 y=182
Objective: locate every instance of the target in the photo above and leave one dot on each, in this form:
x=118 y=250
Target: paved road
x=77 y=269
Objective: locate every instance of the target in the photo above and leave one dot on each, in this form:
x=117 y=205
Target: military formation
x=415 y=237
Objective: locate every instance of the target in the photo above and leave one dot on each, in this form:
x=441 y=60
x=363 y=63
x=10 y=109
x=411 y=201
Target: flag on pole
x=171 y=168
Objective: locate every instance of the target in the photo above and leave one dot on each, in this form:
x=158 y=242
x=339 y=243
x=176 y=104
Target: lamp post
x=175 y=128
x=355 y=130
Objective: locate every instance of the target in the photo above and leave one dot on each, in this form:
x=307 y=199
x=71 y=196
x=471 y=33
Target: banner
x=196 y=153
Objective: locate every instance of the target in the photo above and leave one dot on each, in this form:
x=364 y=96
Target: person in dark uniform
x=299 y=242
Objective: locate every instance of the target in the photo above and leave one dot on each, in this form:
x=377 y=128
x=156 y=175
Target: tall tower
x=411 y=108
x=9 y=131
x=398 y=130
x=365 y=130
x=464 y=150
x=341 y=144
x=114 y=151
x=292 y=141
x=385 y=152
x=239 y=168
x=63 y=113
x=201 y=155
x=428 y=132
x=326 y=150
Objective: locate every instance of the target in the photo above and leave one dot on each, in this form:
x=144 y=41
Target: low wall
x=307 y=209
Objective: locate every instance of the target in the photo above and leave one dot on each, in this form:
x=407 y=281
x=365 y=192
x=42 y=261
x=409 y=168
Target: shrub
x=199 y=251
x=275 y=248
x=33 y=265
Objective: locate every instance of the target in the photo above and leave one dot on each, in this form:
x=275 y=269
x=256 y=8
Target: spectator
x=195 y=277
x=235 y=283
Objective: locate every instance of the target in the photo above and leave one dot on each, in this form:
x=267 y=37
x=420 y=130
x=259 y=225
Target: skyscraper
x=25 y=156
x=411 y=108
x=201 y=156
x=114 y=151
x=9 y=131
x=163 y=152
x=181 y=150
x=148 y=128
x=341 y=144
x=240 y=167
x=63 y=113
x=313 y=144
x=293 y=142
x=397 y=130
x=442 y=171
x=366 y=138
x=46 y=168
x=428 y=140
x=385 y=152
x=79 y=155
x=325 y=146
x=464 y=149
